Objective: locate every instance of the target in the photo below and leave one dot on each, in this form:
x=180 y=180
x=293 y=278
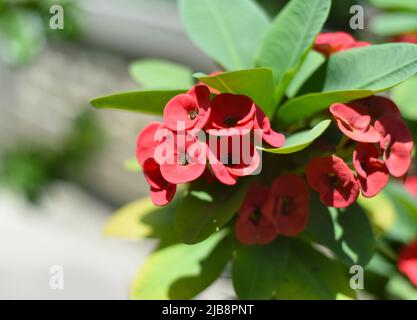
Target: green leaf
x=396 y=4
x=392 y=24
x=206 y=208
x=230 y=32
x=287 y=269
x=132 y=165
x=254 y=83
x=405 y=96
x=301 y=140
x=355 y=74
x=160 y=74
x=182 y=271
x=150 y=102
x=290 y=38
x=375 y=68
x=312 y=63
x=348 y=232
x=399 y=287
x=308 y=105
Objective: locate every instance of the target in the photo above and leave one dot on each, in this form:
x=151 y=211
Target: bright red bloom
x=407 y=37
x=407 y=262
x=231 y=114
x=147 y=142
x=411 y=185
x=230 y=160
x=397 y=144
x=288 y=204
x=333 y=179
x=188 y=111
x=330 y=43
x=253 y=226
x=372 y=173
x=354 y=120
x=273 y=138
x=162 y=191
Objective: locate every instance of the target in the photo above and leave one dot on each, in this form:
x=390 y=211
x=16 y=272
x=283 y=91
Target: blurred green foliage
x=24 y=27
x=30 y=168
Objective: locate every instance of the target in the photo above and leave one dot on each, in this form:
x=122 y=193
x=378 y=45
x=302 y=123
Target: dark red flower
x=411 y=185
x=372 y=173
x=407 y=37
x=407 y=262
x=188 y=111
x=273 y=138
x=330 y=43
x=397 y=144
x=288 y=204
x=231 y=115
x=231 y=157
x=333 y=179
x=253 y=226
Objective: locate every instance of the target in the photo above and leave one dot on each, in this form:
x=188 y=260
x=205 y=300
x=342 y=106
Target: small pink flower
x=188 y=111
x=288 y=204
x=372 y=173
x=330 y=43
x=407 y=262
x=231 y=114
x=147 y=142
x=333 y=179
x=273 y=138
x=253 y=226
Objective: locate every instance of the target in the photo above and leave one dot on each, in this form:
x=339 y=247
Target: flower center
x=230 y=121
x=193 y=114
x=183 y=159
x=333 y=180
x=285 y=206
x=255 y=216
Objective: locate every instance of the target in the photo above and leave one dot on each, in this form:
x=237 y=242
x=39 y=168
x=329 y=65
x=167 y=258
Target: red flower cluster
x=270 y=211
x=384 y=147
x=199 y=129
x=407 y=262
x=330 y=43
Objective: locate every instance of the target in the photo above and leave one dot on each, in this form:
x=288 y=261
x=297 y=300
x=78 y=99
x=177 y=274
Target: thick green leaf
x=396 y=4
x=348 y=233
x=375 y=68
x=229 y=31
x=160 y=74
x=141 y=219
x=405 y=96
x=308 y=105
x=287 y=269
x=206 y=208
x=151 y=102
x=182 y=271
x=313 y=61
x=399 y=287
x=254 y=83
x=301 y=140
x=290 y=37
x=355 y=74
x=392 y=24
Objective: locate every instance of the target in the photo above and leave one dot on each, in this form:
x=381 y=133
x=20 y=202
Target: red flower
x=332 y=178
x=231 y=114
x=411 y=185
x=288 y=204
x=354 y=120
x=253 y=226
x=329 y=43
x=407 y=262
x=407 y=37
x=372 y=173
x=162 y=191
x=231 y=157
x=188 y=111
x=397 y=144
x=183 y=158
x=273 y=138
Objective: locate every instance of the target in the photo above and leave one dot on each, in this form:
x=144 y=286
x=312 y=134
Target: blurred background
x=63 y=165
